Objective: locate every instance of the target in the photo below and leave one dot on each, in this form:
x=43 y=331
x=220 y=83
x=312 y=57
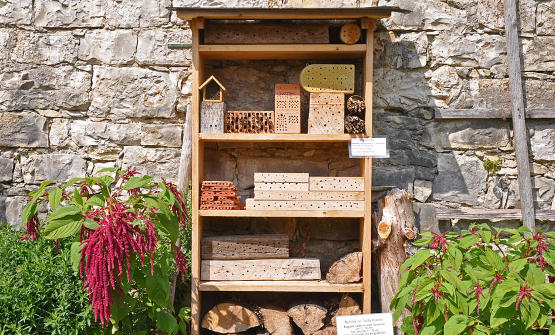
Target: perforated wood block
x=249 y=122
x=304 y=204
x=310 y=195
x=261 y=269
x=261 y=246
x=336 y=183
x=265 y=33
x=267 y=177
x=328 y=78
x=327 y=98
x=281 y=186
x=326 y=114
x=212 y=116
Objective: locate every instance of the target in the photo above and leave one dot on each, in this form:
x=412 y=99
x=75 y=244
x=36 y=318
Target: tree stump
x=309 y=317
x=276 y=321
x=346 y=270
x=227 y=318
x=395 y=224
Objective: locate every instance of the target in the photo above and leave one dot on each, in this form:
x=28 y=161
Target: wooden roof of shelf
x=238 y=13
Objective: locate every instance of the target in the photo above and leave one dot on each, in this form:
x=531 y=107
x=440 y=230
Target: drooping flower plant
x=115 y=226
x=482 y=281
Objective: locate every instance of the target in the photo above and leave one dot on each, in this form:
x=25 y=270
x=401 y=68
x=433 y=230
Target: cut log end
x=276 y=321
x=308 y=317
x=347 y=306
x=346 y=270
x=384 y=229
x=227 y=318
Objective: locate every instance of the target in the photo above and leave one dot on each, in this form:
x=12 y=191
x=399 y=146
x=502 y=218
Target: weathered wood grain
x=276 y=321
x=347 y=306
x=486 y=113
x=227 y=318
x=309 y=317
x=489 y=214
x=307 y=195
x=266 y=33
x=267 y=177
x=347 y=269
x=212 y=116
x=304 y=204
x=336 y=184
x=263 y=269
x=281 y=186
x=245 y=246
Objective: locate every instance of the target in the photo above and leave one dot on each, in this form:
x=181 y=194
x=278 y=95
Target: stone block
x=542 y=143
x=474 y=50
x=26 y=130
x=6 y=169
x=156 y=162
x=407 y=50
x=60 y=167
x=152 y=47
x=400 y=177
x=425 y=15
x=460 y=178
x=156 y=13
x=543 y=190
x=45 y=87
x=406 y=90
x=131 y=92
x=59 y=132
x=163 y=135
x=467 y=135
x=48 y=48
x=18 y=12
x=13 y=209
x=538 y=53
x=8 y=42
x=88 y=133
x=422 y=190
x=108 y=46
x=426 y=219
x=74 y=14
x=545 y=19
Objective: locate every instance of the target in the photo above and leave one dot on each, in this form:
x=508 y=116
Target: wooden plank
x=245 y=246
x=336 y=184
x=310 y=195
x=269 y=177
x=263 y=269
x=277 y=137
x=283 y=214
x=489 y=214
x=281 y=186
x=519 y=112
x=283 y=51
x=266 y=33
x=279 y=286
x=485 y=113
x=304 y=205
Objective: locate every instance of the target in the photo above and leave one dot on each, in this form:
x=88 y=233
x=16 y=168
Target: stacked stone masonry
x=91 y=84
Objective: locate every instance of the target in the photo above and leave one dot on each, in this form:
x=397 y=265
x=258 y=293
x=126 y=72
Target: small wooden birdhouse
x=212 y=90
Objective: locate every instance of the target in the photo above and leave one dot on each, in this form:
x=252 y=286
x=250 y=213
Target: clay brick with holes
x=288 y=108
x=254 y=122
x=220 y=195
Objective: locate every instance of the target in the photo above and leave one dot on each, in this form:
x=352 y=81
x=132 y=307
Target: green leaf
x=119 y=311
x=166 y=322
x=95 y=200
x=517 y=265
x=486 y=236
x=107 y=169
x=72 y=181
x=55 y=197
x=420 y=257
x=28 y=212
x=468 y=241
x=534 y=313
x=422 y=242
x=75 y=255
x=63 y=227
x=453 y=279
x=500 y=316
x=158 y=290
x=63 y=212
x=456 y=324
x=91 y=224
x=495 y=260
x=456 y=255
x=46 y=183
x=136 y=182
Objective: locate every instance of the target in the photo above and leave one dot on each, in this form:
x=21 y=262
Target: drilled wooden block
x=249 y=122
x=327 y=113
x=327 y=98
x=336 y=183
x=245 y=246
x=212 y=116
x=281 y=186
x=266 y=177
x=304 y=204
x=287 y=108
x=328 y=78
x=261 y=269
x=310 y=195
x=265 y=33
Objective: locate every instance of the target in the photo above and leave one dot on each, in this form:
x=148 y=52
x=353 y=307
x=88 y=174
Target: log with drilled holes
x=307 y=195
x=245 y=246
x=309 y=317
x=276 y=321
x=347 y=269
x=227 y=318
x=263 y=269
x=336 y=184
x=305 y=204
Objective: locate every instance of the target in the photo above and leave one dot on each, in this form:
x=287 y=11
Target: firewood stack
x=220 y=195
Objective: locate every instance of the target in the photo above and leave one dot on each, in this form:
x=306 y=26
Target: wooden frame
x=200 y=52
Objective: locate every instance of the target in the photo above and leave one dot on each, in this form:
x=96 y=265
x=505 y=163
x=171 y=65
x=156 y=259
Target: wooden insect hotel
x=212 y=107
x=235 y=255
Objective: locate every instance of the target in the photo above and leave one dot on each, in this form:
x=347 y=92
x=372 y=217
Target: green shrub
x=39 y=292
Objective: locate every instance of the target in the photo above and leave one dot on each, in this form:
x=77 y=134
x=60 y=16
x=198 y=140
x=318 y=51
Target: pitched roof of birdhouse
x=212 y=78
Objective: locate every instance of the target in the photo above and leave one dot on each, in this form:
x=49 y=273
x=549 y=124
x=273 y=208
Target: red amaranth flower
x=417 y=323
x=181 y=210
x=542 y=246
x=180 y=262
x=32 y=228
x=439 y=242
x=524 y=292
x=436 y=292
x=496 y=279
x=478 y=291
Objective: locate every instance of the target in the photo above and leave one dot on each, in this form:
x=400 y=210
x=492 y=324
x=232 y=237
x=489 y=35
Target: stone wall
x=91 y=84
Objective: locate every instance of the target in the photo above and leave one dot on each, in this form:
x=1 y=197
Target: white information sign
x=365 y=324
x=368 y=147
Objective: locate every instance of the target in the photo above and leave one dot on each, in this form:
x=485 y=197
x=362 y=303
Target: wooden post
x=519 y=113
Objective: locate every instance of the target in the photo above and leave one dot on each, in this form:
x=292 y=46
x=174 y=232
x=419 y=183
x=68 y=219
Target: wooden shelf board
x=279 y=286
x=283 y=213
x=277 y=137
x=282 y=51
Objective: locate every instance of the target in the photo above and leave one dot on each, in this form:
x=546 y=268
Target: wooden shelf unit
x=200 y=53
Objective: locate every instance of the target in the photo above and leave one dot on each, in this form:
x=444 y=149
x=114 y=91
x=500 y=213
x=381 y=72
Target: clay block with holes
x=336 y=183
x=281 y=186
x=288 y=108
x=253 y=122
x=267 y=177
x=304 y=204
x=245 y=246
x=327 y=113
x=261 y=269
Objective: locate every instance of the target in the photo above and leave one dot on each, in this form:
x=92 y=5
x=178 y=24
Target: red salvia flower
x=496 y=279
x=439 y=242
x=524 y=292
x=32 y=228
